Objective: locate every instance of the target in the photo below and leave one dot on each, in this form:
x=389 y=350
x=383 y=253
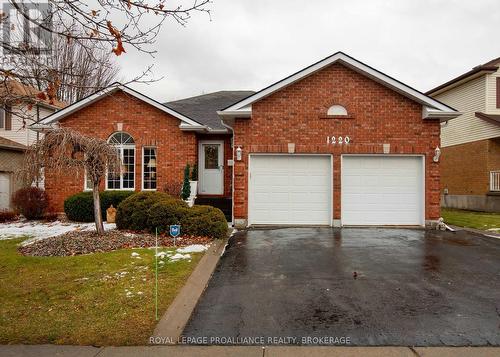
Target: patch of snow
x=39 y=230
x=179 y=256
x=161 y=255
x=194 y=248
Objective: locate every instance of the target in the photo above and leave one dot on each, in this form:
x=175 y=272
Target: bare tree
x=112 y=26
x=65 y=150
x=83 y=69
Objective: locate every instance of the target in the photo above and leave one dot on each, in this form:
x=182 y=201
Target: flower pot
x=194 y=188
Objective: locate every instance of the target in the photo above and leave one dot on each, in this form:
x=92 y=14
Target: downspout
x=232 y=173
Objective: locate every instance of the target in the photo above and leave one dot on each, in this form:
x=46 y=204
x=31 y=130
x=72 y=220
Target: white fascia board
x=185 y=121
x=353 y=64
x=431 y=113
x=235 y=113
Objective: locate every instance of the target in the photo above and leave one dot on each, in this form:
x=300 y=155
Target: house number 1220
x=338 y=140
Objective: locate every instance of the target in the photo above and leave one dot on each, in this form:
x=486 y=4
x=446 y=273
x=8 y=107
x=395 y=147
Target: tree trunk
x=97 y=209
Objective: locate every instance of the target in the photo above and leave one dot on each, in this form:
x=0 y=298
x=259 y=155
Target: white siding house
x=470 y=168
x=17 y=130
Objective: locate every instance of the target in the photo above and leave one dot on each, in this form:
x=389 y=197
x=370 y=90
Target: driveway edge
x=174 y=320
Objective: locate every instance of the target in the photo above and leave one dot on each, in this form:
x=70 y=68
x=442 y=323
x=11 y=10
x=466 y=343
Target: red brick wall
x=464 y=168
x=294 y=115
x=148 y=126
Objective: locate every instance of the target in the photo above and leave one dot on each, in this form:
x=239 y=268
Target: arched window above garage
x=337 y=110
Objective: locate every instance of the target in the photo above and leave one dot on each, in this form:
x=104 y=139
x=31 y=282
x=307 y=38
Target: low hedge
x=206 y=221
x=148 y=211
x=132 y=213
x=80 y=207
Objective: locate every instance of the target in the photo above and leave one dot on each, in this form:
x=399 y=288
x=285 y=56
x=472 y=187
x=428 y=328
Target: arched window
x=125 y=179
x=337 y=110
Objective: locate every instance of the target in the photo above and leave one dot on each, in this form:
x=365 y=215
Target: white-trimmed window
x=149 y=168
x=125 y=179
x=87 y=182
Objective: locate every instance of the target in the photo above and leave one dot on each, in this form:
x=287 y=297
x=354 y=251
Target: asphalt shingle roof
x=9 y=144
x=203 y=108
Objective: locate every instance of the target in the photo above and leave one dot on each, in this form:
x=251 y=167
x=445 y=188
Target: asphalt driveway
x=372 y=286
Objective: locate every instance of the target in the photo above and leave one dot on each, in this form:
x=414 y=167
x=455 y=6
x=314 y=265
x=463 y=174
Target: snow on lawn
x=39 y=230
x=193 y=248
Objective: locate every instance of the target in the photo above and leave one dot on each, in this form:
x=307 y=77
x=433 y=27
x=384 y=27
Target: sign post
x=175 y=231
x=156 y=274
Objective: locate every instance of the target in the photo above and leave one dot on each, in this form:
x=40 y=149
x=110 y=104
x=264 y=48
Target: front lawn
x=471 y=219
x=96 y=299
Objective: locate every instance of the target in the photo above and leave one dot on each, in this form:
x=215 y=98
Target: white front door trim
x=423 y=197
x=249 y=186
x=202 y=182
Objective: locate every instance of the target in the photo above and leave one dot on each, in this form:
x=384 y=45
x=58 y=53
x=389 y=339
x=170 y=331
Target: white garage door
x=4 y=190
x=382 y=190
x=290 y=190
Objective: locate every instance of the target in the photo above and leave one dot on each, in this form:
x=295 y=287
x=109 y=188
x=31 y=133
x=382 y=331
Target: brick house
x=470 y=169
x=337 y=143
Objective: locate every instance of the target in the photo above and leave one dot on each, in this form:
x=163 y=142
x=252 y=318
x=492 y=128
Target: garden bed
x=85 y=242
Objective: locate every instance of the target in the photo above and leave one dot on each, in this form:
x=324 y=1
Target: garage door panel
x=290 y=189
x=385 y=190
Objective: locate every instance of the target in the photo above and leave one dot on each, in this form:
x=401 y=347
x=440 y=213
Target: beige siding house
x=15 y=136
x=470 y=169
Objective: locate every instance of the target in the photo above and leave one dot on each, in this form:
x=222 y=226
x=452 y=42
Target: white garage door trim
x=250 y=189
x=423 y=191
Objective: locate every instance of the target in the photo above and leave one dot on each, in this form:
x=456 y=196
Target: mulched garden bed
x=85 y=242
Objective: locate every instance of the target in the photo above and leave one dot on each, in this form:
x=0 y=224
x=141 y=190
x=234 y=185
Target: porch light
x=437 y=154
x=239 y=153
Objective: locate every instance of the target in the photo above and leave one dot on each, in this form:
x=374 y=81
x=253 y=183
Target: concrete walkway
x=243 y=351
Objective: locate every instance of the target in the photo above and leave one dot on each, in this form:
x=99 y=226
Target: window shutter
x=8 y=118
x=498 y=92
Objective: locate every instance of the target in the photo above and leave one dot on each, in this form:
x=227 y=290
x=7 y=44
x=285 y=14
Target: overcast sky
x=249 y=44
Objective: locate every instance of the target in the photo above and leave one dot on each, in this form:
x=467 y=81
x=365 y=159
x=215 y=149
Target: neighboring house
x=16 y=117
x=15 y=136
x=470 y=169
x=337 y=143
x=11 y=158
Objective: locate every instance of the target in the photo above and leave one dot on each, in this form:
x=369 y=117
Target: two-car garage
x=298 y=190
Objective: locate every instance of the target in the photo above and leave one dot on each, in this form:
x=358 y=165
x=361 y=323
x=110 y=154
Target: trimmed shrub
x=7 y=216
x=204 y=221
x=132 y=213
x=80 y=207
x=186 y=187
x=31 y=202
x=164 y=213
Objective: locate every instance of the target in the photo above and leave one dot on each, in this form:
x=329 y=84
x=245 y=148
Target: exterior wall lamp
x=239 y=153
x=437 y=154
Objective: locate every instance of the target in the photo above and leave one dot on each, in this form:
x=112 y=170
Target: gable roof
x=203 y=108
x=11 y=145
x=431 y=106
x=488 y=67
x=186 y=123
x=20 y=91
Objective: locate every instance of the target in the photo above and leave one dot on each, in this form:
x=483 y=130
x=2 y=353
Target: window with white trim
x=87 y=183
x=125 y=179
x=149 y=168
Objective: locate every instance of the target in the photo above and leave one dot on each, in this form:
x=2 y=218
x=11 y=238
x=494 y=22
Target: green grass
x=81 y=300
x=471 y=219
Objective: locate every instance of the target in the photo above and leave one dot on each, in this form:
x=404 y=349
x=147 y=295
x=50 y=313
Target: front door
x=211 y=173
